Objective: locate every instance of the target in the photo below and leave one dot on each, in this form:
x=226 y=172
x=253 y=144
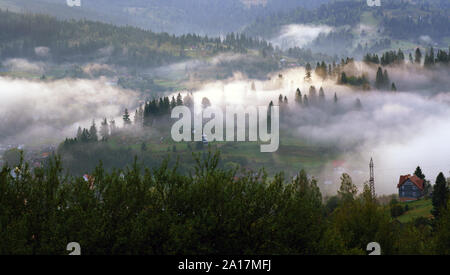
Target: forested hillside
x=85 y=40
x=353 y=22
x=173 y=16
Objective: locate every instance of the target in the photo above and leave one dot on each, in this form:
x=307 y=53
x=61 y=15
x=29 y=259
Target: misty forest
x=87 y=153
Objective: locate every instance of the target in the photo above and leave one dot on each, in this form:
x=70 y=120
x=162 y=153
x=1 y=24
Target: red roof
x=414 y=179
x=338 y=163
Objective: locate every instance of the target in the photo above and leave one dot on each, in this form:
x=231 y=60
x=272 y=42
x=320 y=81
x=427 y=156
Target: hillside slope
x=353 y=24
x=210 y=17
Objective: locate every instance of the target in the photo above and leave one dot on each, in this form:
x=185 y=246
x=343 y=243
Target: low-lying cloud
x=399 y=130
x=23 y=65
x=299 y=35
x=34 y=112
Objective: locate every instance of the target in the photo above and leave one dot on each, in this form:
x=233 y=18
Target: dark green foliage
x=353 y=80
x=440 y=195
x=393 y=87
x=381 y=79
x=126 y=118
x=158 y=212
x=419 y=173
x=397 y=210
x=298 y=97
x=211 y=210
x=418 y=56
x=80 y=41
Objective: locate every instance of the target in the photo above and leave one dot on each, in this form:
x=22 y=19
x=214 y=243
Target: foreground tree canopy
x=210 y=211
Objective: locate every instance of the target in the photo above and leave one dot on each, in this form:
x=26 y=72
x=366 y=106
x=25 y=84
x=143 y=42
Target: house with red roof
x=410 y=188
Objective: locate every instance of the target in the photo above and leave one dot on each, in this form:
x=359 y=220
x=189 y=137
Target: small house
x=410 y=188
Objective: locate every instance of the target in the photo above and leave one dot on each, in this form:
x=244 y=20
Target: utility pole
x=372 y=180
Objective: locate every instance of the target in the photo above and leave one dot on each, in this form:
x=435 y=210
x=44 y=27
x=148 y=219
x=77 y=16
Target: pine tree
x=126 y=118
x=104 y=129
x=431 y=56
x=419 y=173
x=305 y=101
x=136 y=117
x=418 y=56
x=343 y=79
x=347 y=191
x=112 y=126
x=308 y=72
x=298 y=96
x=79 y=132
x=141 y=116
x=188 y=101
x=179 y=100
x=393 y=87
x=440 y=195
x=312 y=96
x=269 y=116
x=386 y=80
x=85 y=137
x=400 y=56
x=379 y=80
x=321 y=95
x=93 y=132
x=280 y=100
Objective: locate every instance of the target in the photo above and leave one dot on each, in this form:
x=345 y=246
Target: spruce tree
x=298 y=96
x=379 y=80
x=173 y=103
x=280 y=100
x=321 y=95
x=126 y=118
x=393 y=87
x=112 y=126
x=308 y=72
x=386 y=80
x=104 y=129
x=179 y=100
x=79 y=132
x=93 y=132
x=419 y=173
x=440 y=195
x=305 y=101
x=418 y=56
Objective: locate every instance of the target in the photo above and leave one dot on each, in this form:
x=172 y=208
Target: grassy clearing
x=419 y=208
